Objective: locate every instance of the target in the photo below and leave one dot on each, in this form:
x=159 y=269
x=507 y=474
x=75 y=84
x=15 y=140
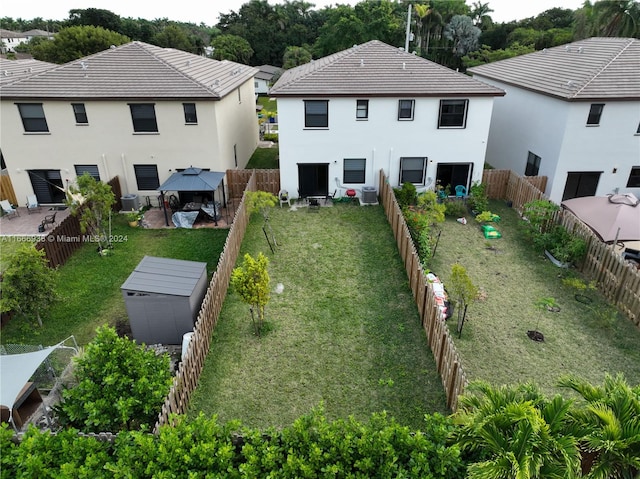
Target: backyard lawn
x=89 y=284
x=513 y=277
x=344 y=331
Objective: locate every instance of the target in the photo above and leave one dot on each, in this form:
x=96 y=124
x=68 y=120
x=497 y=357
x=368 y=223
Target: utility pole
x=408 y=33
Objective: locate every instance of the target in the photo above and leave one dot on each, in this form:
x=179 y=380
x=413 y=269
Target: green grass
x=267 y=104
x=88 y=285
x=494 y=344
x=264 y=159
x=345 y=331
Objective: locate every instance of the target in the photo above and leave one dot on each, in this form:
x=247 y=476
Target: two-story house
x=137 y=111
x=571 y=113
x=344 y=117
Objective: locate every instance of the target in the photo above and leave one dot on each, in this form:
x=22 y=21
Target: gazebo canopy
x=192 y=179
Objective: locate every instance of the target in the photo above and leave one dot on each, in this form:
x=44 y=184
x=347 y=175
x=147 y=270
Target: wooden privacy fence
x=6 y=190
x=186 y=379
x=447 y=359
x=266 y=180
x=507 y=185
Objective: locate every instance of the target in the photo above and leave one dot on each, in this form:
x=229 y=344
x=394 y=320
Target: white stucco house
x=137 y=111
x=344 y=117
x=571 y=113
x=264 y=78
x=10 y=40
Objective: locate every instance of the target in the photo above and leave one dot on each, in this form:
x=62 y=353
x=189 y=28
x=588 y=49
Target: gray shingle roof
x=133 y=71
x=590 y=69
x=377 y=69
x=12 y=70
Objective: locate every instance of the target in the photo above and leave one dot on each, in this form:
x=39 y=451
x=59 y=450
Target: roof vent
x=404 y=66
x=580 y=49
x=544 y=50
x=361 y=62
x=83 y=65
x=571 y=85
x=5 y=73
x=113 y=47
x=188 y=63
x=567 y=48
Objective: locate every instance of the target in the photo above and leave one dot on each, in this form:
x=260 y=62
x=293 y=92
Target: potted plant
x=133 y=217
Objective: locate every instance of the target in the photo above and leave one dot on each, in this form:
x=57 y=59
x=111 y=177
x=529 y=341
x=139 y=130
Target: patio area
x=154 y=218
x=27 y=224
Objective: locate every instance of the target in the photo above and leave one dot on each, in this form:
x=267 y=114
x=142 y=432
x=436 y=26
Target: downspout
x=124 y=172
x=105 y=166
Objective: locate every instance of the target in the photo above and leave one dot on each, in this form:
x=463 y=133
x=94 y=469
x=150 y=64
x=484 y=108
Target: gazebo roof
x=192 y=179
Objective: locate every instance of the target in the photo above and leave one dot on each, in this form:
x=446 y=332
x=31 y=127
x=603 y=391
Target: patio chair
x=32 y=204
x=283 y=197
x=461 y=191
x=49 y=220
x=9 y=210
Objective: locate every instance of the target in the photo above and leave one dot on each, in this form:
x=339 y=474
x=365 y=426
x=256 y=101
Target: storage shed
x=163 y=297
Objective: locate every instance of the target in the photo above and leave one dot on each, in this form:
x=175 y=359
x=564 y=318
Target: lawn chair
x=461 y=191
x=283 y=197
x=9 y=210
x=49 y=220
x=32 y=204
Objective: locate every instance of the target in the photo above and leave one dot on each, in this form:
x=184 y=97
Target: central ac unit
x=369 y=195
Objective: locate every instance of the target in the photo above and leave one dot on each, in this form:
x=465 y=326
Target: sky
x=208 y=11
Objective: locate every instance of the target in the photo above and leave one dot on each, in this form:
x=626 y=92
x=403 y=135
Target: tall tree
x=295 y=56
x=480 y=15
x=76 y=42
x=617 y=18
x=463 y=33
x=172 y=36
x=231 y=47
x=96 y=17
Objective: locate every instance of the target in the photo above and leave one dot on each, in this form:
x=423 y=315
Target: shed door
x=581 y=183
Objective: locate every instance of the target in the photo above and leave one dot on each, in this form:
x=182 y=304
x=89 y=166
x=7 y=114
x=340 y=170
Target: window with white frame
x=80 y=113
x=143 y=116
x=316 y=113
x=354 y=170
x=533 y=165
x=33 y=118
x=147 y=176
x=412 y=170
x=362 y=109
x=595 y=112
x=453 y=114
x=405 y=109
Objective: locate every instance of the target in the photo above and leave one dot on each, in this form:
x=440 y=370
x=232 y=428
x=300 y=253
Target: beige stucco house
x=136 y=111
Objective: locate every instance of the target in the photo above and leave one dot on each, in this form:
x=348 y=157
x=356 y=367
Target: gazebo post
x=164 y=207
x=215 y=215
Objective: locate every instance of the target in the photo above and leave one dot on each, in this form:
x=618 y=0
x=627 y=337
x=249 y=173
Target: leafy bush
x=539 y=216
x=455 y=209
x=485 y=217
x=270 y=137
x=566 y=247
x=407 y=195
x=120 y=385
x=478 y=200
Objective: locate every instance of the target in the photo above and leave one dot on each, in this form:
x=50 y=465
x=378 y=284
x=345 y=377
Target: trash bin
x=130 y=202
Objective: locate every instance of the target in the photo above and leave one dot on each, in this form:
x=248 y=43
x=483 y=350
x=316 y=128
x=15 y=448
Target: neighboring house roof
x=590 y=69
x=37 y=33
x=9 y=34
x=377 y=69
x=267 y=72
x=12 y=70
x=133 y=71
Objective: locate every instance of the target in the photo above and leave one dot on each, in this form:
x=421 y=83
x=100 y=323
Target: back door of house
x=313 y=179
x=581 y=183
x=454 y=174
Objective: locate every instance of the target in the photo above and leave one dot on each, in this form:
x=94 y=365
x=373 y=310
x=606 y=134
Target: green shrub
x=406 y=195
x=120 y=385
x=478 y=200
x=454 y=208
x=270 y=137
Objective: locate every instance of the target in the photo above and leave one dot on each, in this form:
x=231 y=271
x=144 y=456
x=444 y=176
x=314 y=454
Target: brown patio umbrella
x=611 y=217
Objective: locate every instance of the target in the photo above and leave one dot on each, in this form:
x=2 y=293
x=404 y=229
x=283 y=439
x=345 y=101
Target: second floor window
x=533 y=165
x=190 y=116
x=80 y=113
x=594 y=114
x=143 y=116
x=33 y=118
x=405 y=109
x=362 y=109
x=453 y=114
x=316 y=113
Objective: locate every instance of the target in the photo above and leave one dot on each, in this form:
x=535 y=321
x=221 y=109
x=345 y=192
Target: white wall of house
x=556 y=131
x=108 y=140
x=261 y=86
x=382 y=139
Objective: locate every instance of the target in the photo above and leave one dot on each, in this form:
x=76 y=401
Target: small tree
x=28 y=285
x=260 y=201
x=251 y=282
x=92 y=201
x=464 y=292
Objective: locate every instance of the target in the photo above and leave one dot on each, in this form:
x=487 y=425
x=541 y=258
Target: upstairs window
x=634 y=178
x=533 y=165
x=80 y=113
x=144 y=117
x=453 y=114
x=412 y=170
x=33 y=118
x=147 y=177
x=316 y=113
x=594 y=114
x=354 y=170
x=362 y=109
x=190 y=117
x=405 y=109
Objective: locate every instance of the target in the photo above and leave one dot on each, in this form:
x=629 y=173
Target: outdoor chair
x=461 y=191
x=9 y=210
x=283 y=197
x=49 y=220
x=32 y=204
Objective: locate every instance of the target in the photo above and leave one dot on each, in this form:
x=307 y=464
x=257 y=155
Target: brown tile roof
x=133 y=71
x=377 y=69
x=590 y=69
x=12 y=70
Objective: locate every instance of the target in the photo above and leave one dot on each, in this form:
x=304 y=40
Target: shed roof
x=173 y=277
x=592 y=69
x=133 y=71
x=377 y=69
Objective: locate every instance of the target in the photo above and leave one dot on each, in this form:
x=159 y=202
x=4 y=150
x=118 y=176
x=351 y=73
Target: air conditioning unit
x=369 y=195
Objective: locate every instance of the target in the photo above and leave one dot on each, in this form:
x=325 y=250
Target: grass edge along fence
x=186 y=379
x=448 y=362
x=616 y=279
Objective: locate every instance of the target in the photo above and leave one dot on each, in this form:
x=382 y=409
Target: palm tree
x=428 y=18
x=609 y=426
x=480 y=14
x=514 y=432
x=617 y=18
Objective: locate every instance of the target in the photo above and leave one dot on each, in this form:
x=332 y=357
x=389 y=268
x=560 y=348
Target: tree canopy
x=76 y=42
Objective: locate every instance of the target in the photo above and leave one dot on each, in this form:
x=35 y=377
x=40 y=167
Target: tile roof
x=12 y=70
x=590 y=69
x=133 y=71
x=377 y=69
